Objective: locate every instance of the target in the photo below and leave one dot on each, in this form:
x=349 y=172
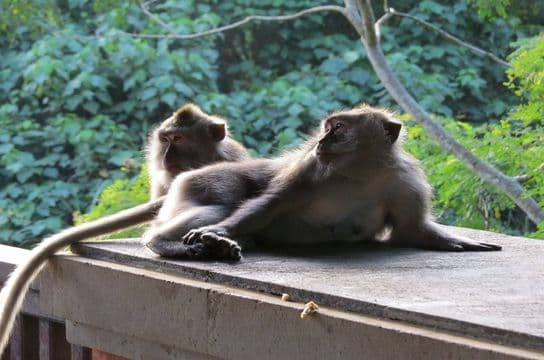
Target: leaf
x=184 y=89
x=51 y=172
x=350 y=56
x=295 y=110
x=120 y=157
x=73 y=102
x=5 y=148
x=148 y=93
x=170 y=99
x=333 y=66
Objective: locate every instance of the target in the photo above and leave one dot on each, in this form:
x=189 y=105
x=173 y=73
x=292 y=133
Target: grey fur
x=348 y=183
x=198 y=147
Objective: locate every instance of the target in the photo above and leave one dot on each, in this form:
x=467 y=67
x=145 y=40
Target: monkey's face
x=338 y=136
x=184 y=148
x=359 y=131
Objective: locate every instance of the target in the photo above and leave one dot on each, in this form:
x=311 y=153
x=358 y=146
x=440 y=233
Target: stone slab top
x=497 y=296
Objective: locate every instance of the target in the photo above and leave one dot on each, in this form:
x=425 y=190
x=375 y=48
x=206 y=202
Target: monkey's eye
x=338 y=125
x=163 y=139
x=177 y=138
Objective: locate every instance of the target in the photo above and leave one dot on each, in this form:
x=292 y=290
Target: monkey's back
x=226 y=183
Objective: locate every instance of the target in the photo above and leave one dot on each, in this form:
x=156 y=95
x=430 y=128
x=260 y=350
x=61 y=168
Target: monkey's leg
x=166 y=239
x=429 y=236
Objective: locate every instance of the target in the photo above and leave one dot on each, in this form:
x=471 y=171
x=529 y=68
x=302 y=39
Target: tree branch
x=248 y=19
x=473 y=48
x=484 y=170
x=526 y=177
x=156 y=19
x=360 y=14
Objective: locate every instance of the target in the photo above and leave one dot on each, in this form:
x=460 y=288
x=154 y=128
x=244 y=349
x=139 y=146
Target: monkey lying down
x=347 y=183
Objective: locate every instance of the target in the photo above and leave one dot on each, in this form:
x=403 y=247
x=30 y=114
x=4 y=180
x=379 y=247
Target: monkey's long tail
x=12 y=295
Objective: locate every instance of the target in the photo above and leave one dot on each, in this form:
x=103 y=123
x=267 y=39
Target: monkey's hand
x=215 y=241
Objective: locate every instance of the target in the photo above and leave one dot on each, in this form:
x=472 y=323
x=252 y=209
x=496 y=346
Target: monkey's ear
x=392 y=129
x=218 y=131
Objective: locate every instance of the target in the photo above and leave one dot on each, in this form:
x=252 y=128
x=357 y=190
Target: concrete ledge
x=122 y=310
x=375 y=302
x=490 y=296
x=126 y=346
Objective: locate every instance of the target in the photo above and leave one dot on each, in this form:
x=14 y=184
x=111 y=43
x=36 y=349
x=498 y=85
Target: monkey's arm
x=12 y=294
x=253 y=214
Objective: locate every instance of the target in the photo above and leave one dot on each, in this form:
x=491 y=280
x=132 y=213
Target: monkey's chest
x=334 y=218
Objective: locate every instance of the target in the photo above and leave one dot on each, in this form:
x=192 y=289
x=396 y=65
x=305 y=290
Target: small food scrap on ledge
x=310 y=308
x=285 y=297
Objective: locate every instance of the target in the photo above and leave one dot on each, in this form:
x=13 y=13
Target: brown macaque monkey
x=346 y=184
x=187 y=140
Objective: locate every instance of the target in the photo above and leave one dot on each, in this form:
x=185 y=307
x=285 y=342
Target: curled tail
x=12 y=295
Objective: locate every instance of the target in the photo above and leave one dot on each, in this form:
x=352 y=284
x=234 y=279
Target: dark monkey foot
x=214 y=244
x=459 y=243
x=464 y=245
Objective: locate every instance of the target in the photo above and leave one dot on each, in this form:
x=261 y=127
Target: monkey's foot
x=174 y=249
x=448 y=243
x=221 y=247
x=466 y=245
x=216 y=243
x=195 y=235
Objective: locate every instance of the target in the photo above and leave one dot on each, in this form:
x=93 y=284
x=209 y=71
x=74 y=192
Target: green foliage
x=121 y=194
x=515 y=145
x=526 y=78
x=463 y=199
x=81 y=91
x=491 y=8
x=530 y=12
x=48 y=172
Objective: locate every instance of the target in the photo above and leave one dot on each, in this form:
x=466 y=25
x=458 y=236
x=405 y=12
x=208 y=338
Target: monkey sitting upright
x=346 y=184
x=187 y=140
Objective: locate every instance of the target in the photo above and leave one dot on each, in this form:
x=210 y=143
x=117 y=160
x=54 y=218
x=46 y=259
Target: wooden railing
x=40 y=338
x=35 y=336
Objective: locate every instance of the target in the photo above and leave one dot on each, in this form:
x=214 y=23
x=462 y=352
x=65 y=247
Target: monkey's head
x=188 y=138
x=363 y=131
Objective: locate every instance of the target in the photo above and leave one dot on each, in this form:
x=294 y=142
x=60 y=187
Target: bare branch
x=526 y=177
x=385 y=6
x=382 y=19
x=476 y=50
x=368 y=21
x=156 y=19
x=522 y=178
x=325 y=8
x=147 y=3
x=487 y=172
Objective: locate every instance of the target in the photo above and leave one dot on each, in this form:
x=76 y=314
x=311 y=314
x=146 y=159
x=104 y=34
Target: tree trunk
x=361 y=16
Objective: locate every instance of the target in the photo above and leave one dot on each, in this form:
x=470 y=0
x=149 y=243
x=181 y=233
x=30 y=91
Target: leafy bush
x=463 y=199
x=48 y=172
x=121 y=194
x=81 y=92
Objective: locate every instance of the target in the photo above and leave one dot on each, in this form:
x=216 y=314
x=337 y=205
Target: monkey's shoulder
x=231 y=150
